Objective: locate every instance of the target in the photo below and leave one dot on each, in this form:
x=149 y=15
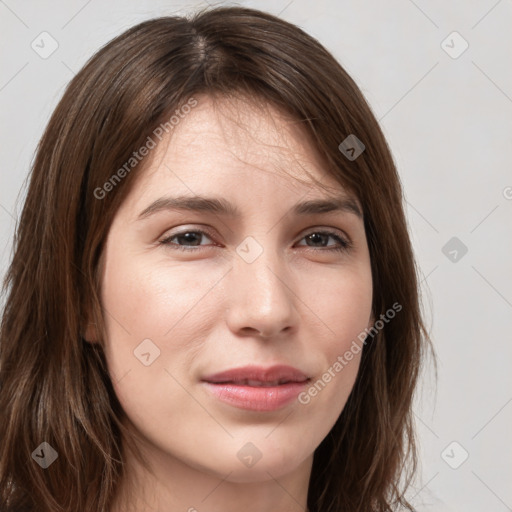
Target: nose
x=261 y=296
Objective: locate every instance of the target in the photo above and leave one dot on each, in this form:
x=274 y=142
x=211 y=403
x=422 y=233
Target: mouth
x=258 y=383
x=256 y=375
x=257 y=389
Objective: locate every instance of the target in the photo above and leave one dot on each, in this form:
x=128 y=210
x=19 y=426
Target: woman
x=272 y=367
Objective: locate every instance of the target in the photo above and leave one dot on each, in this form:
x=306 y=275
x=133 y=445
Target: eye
x=323 y=236
x=192 y=240
x=192 y=237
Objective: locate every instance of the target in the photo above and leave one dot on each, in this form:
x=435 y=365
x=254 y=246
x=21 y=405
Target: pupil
x=316 y=237
x=190 y=237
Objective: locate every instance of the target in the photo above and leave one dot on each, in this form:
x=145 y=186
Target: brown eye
x=192 y=239
x=189 y=240
x=321 y=237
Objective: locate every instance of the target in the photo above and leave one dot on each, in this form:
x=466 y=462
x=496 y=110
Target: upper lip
x=280 y=373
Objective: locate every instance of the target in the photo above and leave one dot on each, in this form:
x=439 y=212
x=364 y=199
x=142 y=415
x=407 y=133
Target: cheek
x=150 y=299
x=149 y=308
x=147 y=297
x=344 y=306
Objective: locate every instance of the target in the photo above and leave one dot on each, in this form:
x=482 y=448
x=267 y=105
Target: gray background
x=448 y=120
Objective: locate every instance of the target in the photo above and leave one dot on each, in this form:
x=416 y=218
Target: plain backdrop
x=444 y=101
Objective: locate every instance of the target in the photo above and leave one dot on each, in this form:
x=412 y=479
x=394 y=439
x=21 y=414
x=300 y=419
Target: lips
x=258 y=376
x=256 y=383
x=257 y=389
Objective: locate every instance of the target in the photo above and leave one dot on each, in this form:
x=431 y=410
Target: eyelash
x=345 y=245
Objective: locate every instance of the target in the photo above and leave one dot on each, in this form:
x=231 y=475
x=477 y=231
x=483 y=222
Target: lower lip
x=254 y=398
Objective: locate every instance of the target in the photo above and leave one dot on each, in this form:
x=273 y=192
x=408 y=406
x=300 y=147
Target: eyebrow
x=221 y=206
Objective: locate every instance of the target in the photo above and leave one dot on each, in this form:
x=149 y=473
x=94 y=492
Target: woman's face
x=191 y=292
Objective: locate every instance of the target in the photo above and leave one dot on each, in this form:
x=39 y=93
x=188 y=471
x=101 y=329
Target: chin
x=271 y=464
x=258 y=473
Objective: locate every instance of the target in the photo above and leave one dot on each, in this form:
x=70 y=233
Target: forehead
x=237 y=145
x=246 y=126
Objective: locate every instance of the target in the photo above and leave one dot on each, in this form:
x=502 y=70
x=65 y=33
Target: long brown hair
x=55 y=388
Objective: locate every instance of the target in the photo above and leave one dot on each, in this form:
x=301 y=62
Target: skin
x=208 y=310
